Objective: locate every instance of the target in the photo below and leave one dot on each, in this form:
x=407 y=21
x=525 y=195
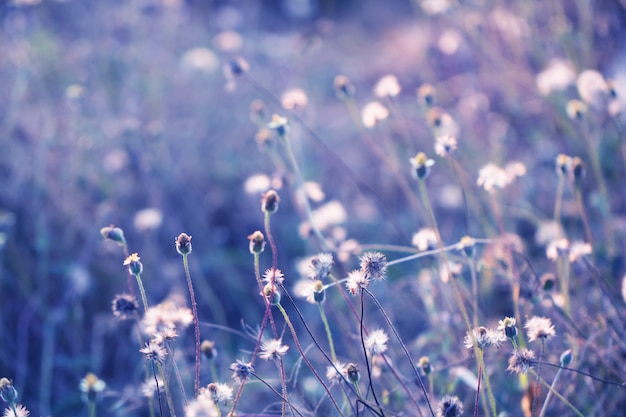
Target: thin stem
x=168 y=395
x=481 y=365
x=177 y=373
x=158 y=390
x=270 y=239
x=142 y=291
x=536 y=392
x=476 y=400
x=329 y=334
x=92 y=409
x=545 y=403
x=367 y=364
x=404 y=348
x=557 y=394
x=559 y=200
x=583 y=215
x=196 y=324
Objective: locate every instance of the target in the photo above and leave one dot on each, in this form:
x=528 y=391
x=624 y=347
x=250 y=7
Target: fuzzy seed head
x=521 y=361
x=320 y=266
x=449 y=406
x=124 y=306
x=273 y=276
x=183 y=244
x=426 y=94
x=154 y=351
x=8 y=393
x=219 y=393
x=373 y=265
x=273 y=349
x=241 y=370
x=376 y=342
x=269 y=202
x=352 y=373
x=539 y=328
x=257 y=242
x=356 y=281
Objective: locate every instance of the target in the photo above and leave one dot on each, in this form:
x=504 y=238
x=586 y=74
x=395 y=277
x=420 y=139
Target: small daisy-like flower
x=135 y=267
x=578 y=250
x=508 y=327
x=91 y=386
x=344 y=89
x=124 y=306
x=592 y=88
x=241 y=371
x=575 y=109
x=374 y=265
x=425 y=365
x=387 y=86
x=421 y=165
x=334 y=373
x=521 y=361
x=219 y=393
x=491 y=176
x=578 y=171
x=273 y=276
x=373 y=113
x=320 y=266
x=449 y=406
x=425 y=239
x=356 y=280
x=484 y=338
x=20 y=411
x=149 y=387
x=257 y=242
x=273 y=349
x=376 y=342
x=445 y=145
x=166 y=315
x=154 y=351
x=539 y=328
x=183 y=244
x=279 y=124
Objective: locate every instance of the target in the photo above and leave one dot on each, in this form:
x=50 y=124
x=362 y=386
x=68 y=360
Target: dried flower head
x=335 y=373
x=19 y=411
x=421 y=165
x=521 y=361
x=483 y=337
x=539 y=328
x=114 y=234
x=183 y=244
x=165 y=315
x=135 y=267
x=273 y=276
x=203 y=406
x=387 y=86
x=124 y=306
x=352 y=373
x=449 y=406
x=219 y=393
x=373 y=265
x=154 y=351
x=376 y=342
x=356 y=280
x=578 y=171
x=208 y=349
x=273 y=349
x=508 y=327
x=373 y=113
x=344 y=89
x=257 y=242
x=426 y=94
x=445 y=145
x=269 y=201
x=320 y=266
x=241 y=370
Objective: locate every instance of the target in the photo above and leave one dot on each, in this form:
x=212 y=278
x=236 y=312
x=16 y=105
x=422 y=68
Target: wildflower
x=352 y=373
x=558 y=75
x=563 y=164
x=425 y=365
x=149 y=387
x=183 y=244
x=592 y=88
x=199 y=59
x=135 y=267
x=279 y=124
x=373 y=113
x=445 y=145
x=578 y=171
x=566 y=357
x=208 y=349
x=124 y=306
x=441 y=122
x=305 y=288
x=241 y=371
x=483 y=337
x=521 y=361
x=273 y=276
x=334 y=372
x=273 y=349
x=539 y=328
x=154 y=351
x=294 y=98
x=269 y=202
x=344 y=89
x=166 y=335
x=424 y=239
x=91 y=386
x=258 y=112
x=387 y=86
x=236 y=67
x=320 y=266
x=165 y=315
x=426 y=94
x=579 y=249
x=220 y=393
x=557 y=248
x=319 y=292
x=575 y=109
x=376 y=342
x=257 y=242
x=330 y=214
x=421 y=165
x=271 y=294
x=467 y=245
x=508 y=327
x=148 y=219
x=203 y=406
x=114 y=234
x=373 y=265
x=356 y=280
x=8 y=393
x=449 y=407
x=20 y=411
x=491 y=176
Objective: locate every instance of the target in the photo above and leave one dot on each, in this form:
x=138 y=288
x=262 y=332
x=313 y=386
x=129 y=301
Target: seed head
x=373 y=265
x=183 y=244
x=20 y=411
x=484 y=338
x=269 y=202
x=449 y=406
x=421 y=165
x=219 y=393
x=124 y=306
x=320 y=266
x=521 y=361
x=566 y=357
x=241 y=370
x=114 y=234
x=257 y=242
x=356 y=281
x=135 y=267
x=154 y=351
x=273 y=276
x=273 y=349
x=376 y=342
x=539 y=328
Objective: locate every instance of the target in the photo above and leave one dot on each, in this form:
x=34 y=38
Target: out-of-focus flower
x=199 y=59
x=203 y=406
x=484 y=338
x=91 y=386
x=539 y=328
x=334 y=373
x=426 y=94
x=433 y=7
x=491 y=176
x=374 y=265
x=228 y=41
x=344 y=89
x=294 y=98
x=373 y=113
x=521 y=361
x=257 y=183
x=166 y=315
x=575 y=109
x=442 y=123
x=376 y=342
x=125 y=306
x=241 y=370
x=148 y=219
x=356 y=280
x=273 y=349
x=421 y=165
x=557 y=76
x=445 y=145
x=387 y=86
x=425 y=239
x=592 y=88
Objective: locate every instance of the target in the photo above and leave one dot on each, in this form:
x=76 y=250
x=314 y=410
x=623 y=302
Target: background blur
x=119 y=112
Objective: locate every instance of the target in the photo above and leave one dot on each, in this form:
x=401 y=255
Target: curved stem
x=196 y=324
x=367 y=363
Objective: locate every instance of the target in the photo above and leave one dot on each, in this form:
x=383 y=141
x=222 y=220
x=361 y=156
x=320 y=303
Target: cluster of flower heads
x=373 y=266
x=166 y=316
x=316 y=271
x=9 y=395
x=492 y=176
x=482 y=338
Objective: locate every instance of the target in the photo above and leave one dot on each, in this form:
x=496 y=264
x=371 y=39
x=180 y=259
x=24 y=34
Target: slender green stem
x=177 y=373
x=92 y=409
x=559 y=200
x=557 y=394
x=142 y=291
x=329 y=334
x=196 y=324
x=583 y=215
x=481 y=365
x=477 y=399
x=168 y=395
x=545 y=403
x=563 y=266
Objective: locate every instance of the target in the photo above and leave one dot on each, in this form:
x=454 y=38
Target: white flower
x=373 y=113
x=491 y=176
x=331 y=372
x=539 y=328
x=376 y=342
x=387 y=86
x=294 y=98
x=484 y=338
x=558 y=75
x=356 y=280
x=273 y=276
x=445 y=145
x=425 y=239
x=592 y=88
x=273 y=349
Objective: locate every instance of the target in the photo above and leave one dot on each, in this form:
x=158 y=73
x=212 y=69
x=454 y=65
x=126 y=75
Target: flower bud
x=183 y=244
